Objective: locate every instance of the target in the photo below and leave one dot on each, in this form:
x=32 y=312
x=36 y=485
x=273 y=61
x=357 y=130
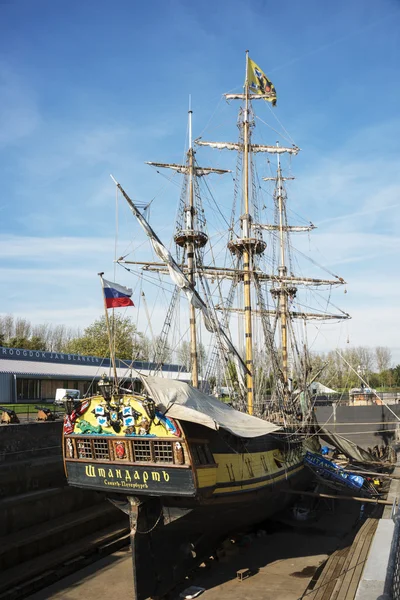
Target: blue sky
x=92 y=88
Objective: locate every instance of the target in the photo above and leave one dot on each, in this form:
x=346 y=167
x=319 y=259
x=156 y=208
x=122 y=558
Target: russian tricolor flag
x=116 y=295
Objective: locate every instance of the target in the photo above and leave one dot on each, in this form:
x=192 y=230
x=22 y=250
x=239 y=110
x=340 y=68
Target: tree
x=22 y=328
x=395 y=374
x=128 y=343
x=383 y=358
x=34 y=343
x=7 y=326
x=184 y=357
x=160 y=351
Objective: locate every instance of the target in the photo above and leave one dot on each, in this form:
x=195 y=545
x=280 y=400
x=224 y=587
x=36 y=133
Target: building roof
x=42 y=365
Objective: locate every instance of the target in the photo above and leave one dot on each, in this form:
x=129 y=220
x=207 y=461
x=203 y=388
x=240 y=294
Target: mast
x=247 y=245
x=190 y=210
x=283 y=298
x=247 y=250
x=190 y=234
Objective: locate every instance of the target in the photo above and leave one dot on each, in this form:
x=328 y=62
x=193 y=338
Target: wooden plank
x=346 y=573
x=354 y=563
x=333 y=575
x=341 y=574
x=328 y=575
x=357 y=562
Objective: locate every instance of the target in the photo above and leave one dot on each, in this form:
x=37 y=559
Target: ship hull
x=185 y=486
x=163 y=553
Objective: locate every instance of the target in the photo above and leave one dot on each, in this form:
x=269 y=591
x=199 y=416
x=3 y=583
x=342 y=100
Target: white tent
x=320 y=389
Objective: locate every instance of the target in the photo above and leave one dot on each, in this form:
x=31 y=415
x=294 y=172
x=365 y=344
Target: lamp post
x=361 y=373
x=105 y=387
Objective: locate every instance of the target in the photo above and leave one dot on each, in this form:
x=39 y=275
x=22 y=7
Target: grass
x=29 y=407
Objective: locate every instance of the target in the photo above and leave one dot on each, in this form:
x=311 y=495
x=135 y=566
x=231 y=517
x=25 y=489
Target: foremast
x=189 y=240
x=191 y=236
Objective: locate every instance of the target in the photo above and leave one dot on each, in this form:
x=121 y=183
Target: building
x=363 y=396
x=34 y=376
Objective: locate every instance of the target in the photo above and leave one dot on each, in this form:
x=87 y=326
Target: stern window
x=202 y=454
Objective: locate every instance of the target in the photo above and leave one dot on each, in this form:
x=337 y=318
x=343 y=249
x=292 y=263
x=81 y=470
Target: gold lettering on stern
x=141 y=478
x=90 y=471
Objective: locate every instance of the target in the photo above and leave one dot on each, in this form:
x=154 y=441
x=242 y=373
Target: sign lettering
x=59 y=357
x=90 y=471
x=162 y=481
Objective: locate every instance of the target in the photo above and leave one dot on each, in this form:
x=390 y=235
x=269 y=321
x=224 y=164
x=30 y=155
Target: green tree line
x=128 y=342
x=338 y=370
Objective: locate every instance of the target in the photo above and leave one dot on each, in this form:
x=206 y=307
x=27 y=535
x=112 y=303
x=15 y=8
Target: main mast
x=247 y=245
x=247 y=250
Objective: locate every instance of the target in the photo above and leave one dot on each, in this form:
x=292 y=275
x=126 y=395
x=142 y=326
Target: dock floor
x=282 y=559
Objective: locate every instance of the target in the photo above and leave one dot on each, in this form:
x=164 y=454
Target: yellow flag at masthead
x=259 y=83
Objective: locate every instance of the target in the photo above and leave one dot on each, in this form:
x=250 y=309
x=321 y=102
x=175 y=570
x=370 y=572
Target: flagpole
x=112 y=353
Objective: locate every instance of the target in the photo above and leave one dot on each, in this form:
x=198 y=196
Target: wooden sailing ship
x=186 y=467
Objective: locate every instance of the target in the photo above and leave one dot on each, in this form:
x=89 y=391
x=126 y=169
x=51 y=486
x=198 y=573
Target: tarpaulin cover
x=184 y=402
x=348 y=448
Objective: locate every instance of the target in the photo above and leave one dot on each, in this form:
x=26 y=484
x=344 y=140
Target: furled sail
x=180 y=279
x=295 y=228
x=254 y=147
x=220 y=145
x=185 y=169
x=275 y=149
x=249 y=96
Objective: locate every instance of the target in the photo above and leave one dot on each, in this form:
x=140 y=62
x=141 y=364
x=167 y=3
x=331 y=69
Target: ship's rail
x=124 y=450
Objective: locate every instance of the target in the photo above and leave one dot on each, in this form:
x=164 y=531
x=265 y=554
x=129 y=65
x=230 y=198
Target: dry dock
x=284 y=560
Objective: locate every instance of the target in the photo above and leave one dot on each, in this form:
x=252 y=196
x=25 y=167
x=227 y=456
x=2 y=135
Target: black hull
x=163 y=553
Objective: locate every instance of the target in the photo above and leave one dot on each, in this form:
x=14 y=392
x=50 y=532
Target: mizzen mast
x=283 y=291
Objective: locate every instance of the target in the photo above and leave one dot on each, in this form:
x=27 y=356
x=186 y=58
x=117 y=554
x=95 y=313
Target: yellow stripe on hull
x=258 y=484
x=265 y=468
x=207 y=477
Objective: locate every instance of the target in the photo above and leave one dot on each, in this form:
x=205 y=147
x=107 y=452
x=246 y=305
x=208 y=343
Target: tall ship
x=187 y=467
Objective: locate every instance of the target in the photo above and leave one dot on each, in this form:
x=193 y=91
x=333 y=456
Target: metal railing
x=391 y=590
x=28 y=412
